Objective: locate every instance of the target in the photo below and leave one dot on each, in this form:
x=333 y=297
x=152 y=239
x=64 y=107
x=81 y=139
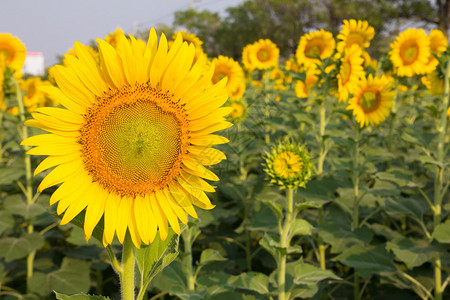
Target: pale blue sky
x=52 y=26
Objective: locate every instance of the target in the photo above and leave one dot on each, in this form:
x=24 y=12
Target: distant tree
x=285 y=21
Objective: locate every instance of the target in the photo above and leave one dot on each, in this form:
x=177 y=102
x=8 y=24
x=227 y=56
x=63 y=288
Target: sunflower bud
x=288 y=165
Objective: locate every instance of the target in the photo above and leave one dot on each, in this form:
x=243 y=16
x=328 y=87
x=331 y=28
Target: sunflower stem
x=28 y=176
x=284 y=243
x=245 y=202
x=127 y=274
x=322 y=124
x=393 y=117
x=266 y=108
x=439 y=178
x=187 y=238
x=355 y=175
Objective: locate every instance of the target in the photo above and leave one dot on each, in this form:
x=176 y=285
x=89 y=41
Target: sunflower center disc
x=313 y=50
x=409 y=53
x=263 y=55
x=133 y=140
x=369 y=101
x=355 y=38
x=140 y=142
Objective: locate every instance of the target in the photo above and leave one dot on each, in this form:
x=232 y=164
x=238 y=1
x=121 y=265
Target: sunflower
x=264 y=54
x=34 y=97
x=227 y=67
x=304 y=88
x=350 y=71
x=239 y=110
x=239 y=92
x=133 y=143
x=355 y=32
x=12 y=51
x=410 y=52
x=372 y=100
x=246 y=61
x=438 y=44
x=288 y=165
x=191 y=38
x=434 y=82
x=314 y=47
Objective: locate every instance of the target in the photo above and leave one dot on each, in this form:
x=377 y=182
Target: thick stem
x=355 y=175
x=442 y=129
x=245 y=202
x=187 y=238
x=127 y=274
x=284 y=242
x=322 y=124
x=28 y=176
x=266 y=109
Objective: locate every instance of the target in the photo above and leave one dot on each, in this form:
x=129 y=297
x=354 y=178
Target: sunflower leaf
x=153 y=259
x=60 y=296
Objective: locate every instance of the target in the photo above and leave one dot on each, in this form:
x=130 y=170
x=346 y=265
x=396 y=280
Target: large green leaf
x=341 y=237
x=79 y=297
x=300 y=227
x=254 y=281
x=6 y=220
x=10 y=174
x=73 y=277
x=152 y=259
x=442 y=232
x=367 y=259
x=406 y=206
x=413 y=253
x=38 y=283
x=15 y=248
x=309 y=274
x=210 y=255
x=16 y=205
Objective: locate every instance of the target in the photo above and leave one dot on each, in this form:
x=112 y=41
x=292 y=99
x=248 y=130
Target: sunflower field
x=144 y=169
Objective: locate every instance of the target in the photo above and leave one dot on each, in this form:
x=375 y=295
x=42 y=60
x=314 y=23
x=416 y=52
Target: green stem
x=127 y=274
x=243 y=177
x=393 y=117
x=284 y=242
x=322 y=124
x=28 y=190
x=266 y=108
x=355 y=175
x=187 y=238
x=442 y=129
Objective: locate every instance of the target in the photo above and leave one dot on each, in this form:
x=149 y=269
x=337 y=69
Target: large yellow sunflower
x=314 y=47
x=133 y=143
x=410 y=52
x=303 y=88
x=12 y=51
x=264 y=54
x=350 y=71
x=438 y=44
x=228 y=67
x=372 y=100
x=355 y=32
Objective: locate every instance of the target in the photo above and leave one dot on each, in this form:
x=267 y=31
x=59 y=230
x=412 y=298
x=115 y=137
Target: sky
x=53 y=26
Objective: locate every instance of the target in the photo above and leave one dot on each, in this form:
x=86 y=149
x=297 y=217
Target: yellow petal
x=58 y=95
x=37 y=124
x=160 y=217
x=132 y=228
x=110 y=219
x=167 y=209
x=123 y=217
x=73 y=183
x=42 y=139
x=61 y=172
x=52 y=161
x=128 y=60
x=111 y=62
x=95 y=209
x=182 y=199
x=72 y=87
x=150 y=50
x=159 y=63
x=50 y=149
x=55 y=123
x=208 y=140
x=62 y=114
x=206 y=155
